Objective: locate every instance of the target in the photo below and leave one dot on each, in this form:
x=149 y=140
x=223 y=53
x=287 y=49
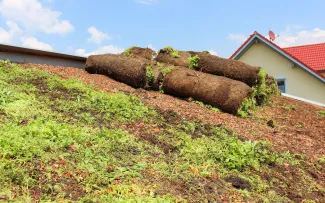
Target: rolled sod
x=138 y=52
x=131 y=71
x=220 y=92
x=263 y=85
x=229 y=68
x=171 y=56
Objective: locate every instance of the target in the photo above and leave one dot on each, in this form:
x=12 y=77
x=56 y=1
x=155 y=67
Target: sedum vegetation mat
x=64 y=141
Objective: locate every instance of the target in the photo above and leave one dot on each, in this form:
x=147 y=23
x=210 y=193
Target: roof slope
x=260 y=38
x=37 y=52
x=312 y=55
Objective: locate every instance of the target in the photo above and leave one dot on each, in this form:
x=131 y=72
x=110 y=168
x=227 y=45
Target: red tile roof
x=296 y=57
x=312 y=55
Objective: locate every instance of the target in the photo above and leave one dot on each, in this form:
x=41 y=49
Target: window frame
x=284 y=79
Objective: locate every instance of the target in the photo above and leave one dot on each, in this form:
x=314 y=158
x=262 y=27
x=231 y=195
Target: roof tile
x=312 y=55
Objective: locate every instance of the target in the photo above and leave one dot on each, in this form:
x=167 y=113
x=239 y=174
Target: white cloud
x=97 y=36
x=212 y=52
x=237 y=37
x=109 y=49
x=147 y=2
x=9 y=36
x=33 y=16
x=153 y=48
x=295 y=36
x=33 y=43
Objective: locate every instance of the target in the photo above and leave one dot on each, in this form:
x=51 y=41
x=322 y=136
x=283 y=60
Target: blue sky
x=109 y=26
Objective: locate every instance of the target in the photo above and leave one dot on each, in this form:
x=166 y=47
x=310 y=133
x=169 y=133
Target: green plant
x=264 y=88
x=150 y=74
x=207 y=106
x=172 y=52
x=194 y=62
x=247 y=105
x=80 y=144
x=160 y=64
x=321 y=160
x=164 y=72
x=227 y=150
x=127 y=52
x=321 y=113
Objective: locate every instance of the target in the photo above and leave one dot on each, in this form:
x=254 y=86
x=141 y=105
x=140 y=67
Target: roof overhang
x=257 y=38
x=23 y=50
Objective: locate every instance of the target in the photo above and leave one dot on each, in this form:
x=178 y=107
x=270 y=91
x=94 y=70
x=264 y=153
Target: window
x=282 y=84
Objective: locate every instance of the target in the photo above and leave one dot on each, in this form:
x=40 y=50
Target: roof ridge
x=304 y=45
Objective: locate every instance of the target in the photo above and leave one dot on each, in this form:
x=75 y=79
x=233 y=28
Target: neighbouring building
x=299 y=70
x=26 y=55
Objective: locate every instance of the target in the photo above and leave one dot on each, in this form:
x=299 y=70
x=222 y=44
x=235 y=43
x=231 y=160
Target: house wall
x=26 y=58
x=299 y=82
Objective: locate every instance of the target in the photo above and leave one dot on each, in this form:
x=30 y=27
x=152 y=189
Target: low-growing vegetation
x=194 y=62
x=150 y=75
x=321 y=113
x=172 y=52
x=164 y=72
x=127 y=52
x=64 y=141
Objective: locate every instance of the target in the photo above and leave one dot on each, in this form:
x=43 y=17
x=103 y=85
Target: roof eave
x=17 y=49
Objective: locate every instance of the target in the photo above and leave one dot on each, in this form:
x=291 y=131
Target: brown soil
x=293 y=182
x=233 y=69
x=146 y=132
x=238 y=183
x=131 y=71
x=210 y=189
x=220 y=92
x=164 y=57
x=299 y=128
x=139 y=52
x=71 y=187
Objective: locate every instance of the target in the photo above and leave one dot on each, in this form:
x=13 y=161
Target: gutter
x=304 y=100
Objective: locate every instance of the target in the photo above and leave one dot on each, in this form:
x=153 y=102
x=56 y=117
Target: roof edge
x=18 y=49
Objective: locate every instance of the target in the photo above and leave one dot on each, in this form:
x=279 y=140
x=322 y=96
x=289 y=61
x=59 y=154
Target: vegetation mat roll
x=138 y=52
x=223 y=93
x=229 y=68
x=131 y=71
x=171 y=56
